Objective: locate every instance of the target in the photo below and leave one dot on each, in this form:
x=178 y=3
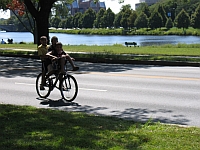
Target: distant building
x=83 y=5
x=148 y=2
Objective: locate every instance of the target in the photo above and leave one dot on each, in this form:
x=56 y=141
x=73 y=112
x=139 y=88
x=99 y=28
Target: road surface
x=137 y=92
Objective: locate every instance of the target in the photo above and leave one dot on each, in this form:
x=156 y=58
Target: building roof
x=102 y=4
x=75 y=4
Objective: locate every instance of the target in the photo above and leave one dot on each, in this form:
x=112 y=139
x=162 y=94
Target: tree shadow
x=31 y=67
x=144 y=115
x=18 y=66
x=56 y=103
x=134 y=114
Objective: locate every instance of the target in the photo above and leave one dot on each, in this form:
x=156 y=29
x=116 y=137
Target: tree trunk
x=41 y=16
x=42 y=23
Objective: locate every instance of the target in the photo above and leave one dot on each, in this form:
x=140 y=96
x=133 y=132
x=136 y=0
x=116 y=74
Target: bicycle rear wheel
x=69 y=88
x=42 y=92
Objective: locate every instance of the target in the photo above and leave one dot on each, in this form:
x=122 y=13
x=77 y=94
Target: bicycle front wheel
x=69 y=88
x=42 y=91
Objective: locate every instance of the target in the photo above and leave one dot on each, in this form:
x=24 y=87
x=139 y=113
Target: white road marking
x=23 y=83
x=98 y=90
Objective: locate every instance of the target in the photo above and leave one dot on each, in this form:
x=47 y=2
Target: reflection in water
x=75 y=39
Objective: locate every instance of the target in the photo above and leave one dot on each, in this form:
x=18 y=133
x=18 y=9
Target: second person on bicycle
x=61 y=56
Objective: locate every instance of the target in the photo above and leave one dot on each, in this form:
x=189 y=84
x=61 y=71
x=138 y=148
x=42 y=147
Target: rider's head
x=54 y=40
x=58 y=46
x=43 y=40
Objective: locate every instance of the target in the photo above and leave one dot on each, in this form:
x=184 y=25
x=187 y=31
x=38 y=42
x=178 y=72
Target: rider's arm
x=49 y=55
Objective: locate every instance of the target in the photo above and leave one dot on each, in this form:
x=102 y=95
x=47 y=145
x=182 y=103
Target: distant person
x=3 y=42
x=10 y=41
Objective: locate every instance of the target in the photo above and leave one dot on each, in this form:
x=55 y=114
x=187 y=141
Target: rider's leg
x=72 y=63
x=62 y=65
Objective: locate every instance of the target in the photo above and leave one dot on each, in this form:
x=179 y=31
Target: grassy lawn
x=164 y=52
x=29 y=128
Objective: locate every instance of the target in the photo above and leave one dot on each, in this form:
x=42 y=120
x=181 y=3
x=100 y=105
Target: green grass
x=164 y=52
x=29 y=128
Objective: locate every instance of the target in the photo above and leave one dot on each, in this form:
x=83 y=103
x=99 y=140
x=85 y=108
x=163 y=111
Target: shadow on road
x=135 y=114
x=28 y=67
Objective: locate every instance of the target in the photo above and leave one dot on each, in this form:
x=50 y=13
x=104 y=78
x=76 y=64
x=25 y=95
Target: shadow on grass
x=30 y=128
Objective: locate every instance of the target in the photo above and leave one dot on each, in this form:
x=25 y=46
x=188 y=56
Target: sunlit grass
x=166 y=52
x=25 y=127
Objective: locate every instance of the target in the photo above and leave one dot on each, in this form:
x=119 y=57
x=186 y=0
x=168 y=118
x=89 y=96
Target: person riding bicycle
x=61 y=57
x=52 y=47
x=46 y=63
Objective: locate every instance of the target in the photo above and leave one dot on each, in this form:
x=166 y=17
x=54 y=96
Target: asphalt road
x=137 y=92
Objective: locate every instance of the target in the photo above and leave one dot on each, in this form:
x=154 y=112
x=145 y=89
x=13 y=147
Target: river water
x=74 y=39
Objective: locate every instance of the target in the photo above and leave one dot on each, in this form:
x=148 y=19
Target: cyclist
x=46 y=63
x=54 y=40
x=61 y=57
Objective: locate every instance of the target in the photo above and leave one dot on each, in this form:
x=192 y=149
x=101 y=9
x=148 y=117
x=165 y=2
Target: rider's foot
x=42 y=87
x=75 y=68
x=62 y=72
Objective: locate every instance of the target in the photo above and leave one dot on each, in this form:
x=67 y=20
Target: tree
x=69 y=22
x=162 y=13
x=141 y=21
x=39 y=10
x=88 y=18
x=155 y=21
x=76 y=20
x=61 y=10
x=131 y=19
x=55 y=22
x=125 y=12
x=63 y=23
x=118 y=17
x=97 y=21
x=145 y=9
x=169 y=23
x=182 y=20
x=195 y=20
x=25 y=20
x=109 y=16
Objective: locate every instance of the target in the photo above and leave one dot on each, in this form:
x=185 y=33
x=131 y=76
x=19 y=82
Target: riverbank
x=142 y=31
x=168 y=55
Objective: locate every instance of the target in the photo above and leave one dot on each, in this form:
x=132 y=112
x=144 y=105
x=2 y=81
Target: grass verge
x=179 y=52
x=26 y=127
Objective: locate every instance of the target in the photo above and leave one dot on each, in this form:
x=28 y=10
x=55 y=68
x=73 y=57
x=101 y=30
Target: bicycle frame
x=67 y=85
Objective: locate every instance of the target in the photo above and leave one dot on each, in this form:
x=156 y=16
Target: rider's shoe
x=75 y=68
x=62 y=72
x=42 y=87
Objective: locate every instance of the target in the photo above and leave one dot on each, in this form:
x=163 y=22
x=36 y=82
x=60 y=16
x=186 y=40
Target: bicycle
x=68 y=85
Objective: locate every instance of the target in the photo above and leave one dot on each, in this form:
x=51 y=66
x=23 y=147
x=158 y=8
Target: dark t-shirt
x=51 y=48
x=58 y=55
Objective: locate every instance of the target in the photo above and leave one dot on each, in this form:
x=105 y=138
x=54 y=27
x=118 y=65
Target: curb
x=115 y=61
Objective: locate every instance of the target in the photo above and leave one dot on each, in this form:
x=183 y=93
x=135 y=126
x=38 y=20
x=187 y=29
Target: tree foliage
x=182 y=20
x=35 y=15
x=155 y=20
x=98 y=23
x=162 y=13
x=88 y=18
x=169 y=23
x=195 y=19
x=141 y=21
